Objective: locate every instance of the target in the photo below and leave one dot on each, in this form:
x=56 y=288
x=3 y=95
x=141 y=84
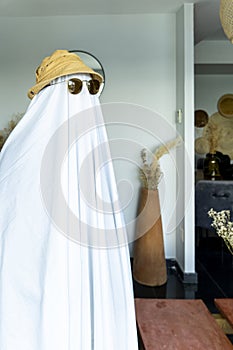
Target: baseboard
x=186 y=278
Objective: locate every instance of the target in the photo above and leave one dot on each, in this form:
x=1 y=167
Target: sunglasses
x=75 y=86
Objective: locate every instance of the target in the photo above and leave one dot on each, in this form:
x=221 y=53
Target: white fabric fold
x=65 y=276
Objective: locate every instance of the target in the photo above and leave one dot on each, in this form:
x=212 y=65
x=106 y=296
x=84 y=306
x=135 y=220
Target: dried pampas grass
x=212 y=135
x=150 y=174
x=4 y=133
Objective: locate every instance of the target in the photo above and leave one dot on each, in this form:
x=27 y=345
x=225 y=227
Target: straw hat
x=60 y=63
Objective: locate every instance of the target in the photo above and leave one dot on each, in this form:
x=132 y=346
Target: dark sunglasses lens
x=93 y=86
x=75 y=86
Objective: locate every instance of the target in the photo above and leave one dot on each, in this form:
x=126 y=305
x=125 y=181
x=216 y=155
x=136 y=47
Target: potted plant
x=149 y=264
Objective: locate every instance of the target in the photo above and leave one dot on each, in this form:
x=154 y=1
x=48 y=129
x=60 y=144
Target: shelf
x=213 y=69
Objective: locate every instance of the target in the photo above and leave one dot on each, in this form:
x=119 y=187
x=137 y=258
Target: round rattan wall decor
x=225 y=105
x=201 y=118
x=226 y=18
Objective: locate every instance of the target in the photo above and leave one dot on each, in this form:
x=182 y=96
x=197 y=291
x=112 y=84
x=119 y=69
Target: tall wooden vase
x=149 y=264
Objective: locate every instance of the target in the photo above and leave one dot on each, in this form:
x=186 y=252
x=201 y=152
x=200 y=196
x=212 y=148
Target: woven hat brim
x=72 y=68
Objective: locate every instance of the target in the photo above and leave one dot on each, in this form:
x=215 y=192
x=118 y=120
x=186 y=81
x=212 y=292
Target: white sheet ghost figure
x=65 y=276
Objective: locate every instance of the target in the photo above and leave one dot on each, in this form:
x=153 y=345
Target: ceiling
x=207 y=23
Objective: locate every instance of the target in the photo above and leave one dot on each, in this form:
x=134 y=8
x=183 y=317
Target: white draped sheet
x=65 y=276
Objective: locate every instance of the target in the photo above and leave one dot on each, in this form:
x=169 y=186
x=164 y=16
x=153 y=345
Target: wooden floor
x=174 y=324
x=225 y=306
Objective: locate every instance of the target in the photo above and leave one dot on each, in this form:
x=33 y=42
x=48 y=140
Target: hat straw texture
x=60 y=63
x=226 y=18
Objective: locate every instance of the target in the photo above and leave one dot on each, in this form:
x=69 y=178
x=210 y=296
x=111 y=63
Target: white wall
x=208 y=90
x=185 y=246
x=138 y=53
x=210 y=87
x=214 y=51
x=180 y=58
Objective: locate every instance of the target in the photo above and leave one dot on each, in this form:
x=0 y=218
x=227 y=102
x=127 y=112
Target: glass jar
x=211 y=167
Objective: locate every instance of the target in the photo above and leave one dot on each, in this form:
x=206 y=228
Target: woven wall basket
x=226 y=18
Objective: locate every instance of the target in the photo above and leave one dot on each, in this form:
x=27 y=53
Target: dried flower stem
x=212 y=134
x=151 y=174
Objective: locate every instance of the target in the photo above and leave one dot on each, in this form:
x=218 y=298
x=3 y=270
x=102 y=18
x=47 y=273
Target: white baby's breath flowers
x=223 y=226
